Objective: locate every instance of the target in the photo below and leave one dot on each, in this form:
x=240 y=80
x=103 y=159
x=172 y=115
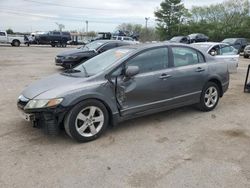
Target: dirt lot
x=178 y=148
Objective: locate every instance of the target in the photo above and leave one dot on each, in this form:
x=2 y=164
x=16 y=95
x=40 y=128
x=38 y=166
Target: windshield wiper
x=85 y=71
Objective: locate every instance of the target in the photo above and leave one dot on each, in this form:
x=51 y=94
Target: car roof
x=110 y=41
x=210 y=43
x=235 y=38
x=152 y=45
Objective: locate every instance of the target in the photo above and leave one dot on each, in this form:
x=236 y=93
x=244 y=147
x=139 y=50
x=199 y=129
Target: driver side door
x=151 y=88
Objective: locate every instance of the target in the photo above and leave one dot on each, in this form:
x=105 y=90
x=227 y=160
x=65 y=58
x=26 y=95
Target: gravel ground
x=177 y=148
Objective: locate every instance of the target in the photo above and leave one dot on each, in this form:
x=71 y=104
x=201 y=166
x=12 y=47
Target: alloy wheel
x=89 y=121
x=211 y=97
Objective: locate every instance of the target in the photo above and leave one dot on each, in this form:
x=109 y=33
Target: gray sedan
x=122 y=84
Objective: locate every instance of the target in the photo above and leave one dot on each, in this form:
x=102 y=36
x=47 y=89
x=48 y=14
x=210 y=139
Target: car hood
x=75 y=51
x=55 y=86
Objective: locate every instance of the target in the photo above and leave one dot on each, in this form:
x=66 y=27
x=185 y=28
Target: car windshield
x=176 y=39
x=229 y=41
x=203 y=47
x=102 y=61
x=192 y=36
x=92 y=46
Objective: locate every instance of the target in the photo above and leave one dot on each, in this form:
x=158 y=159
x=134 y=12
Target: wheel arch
x=111 y=108
x=218 y=83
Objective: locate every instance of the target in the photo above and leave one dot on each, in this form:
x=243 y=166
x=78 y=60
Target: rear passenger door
x=231 y=56
x=189 y=74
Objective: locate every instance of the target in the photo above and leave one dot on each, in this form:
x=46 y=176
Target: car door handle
x=199 y=69
x=165 y=76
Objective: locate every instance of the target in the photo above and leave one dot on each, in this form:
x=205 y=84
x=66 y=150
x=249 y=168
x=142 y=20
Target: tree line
x=230 y=18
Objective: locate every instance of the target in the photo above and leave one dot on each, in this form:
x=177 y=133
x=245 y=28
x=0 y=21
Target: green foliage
x=148 y=34
x=223 y=20
x=227 y=19
x=170 y=17
x=9 y=31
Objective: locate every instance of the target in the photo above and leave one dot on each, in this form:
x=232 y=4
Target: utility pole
x=147 y=18
x=87 y=26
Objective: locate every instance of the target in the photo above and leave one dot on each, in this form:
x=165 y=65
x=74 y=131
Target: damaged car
x=121 y=84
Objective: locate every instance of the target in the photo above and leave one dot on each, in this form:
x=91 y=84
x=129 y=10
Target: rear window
x=2 y=33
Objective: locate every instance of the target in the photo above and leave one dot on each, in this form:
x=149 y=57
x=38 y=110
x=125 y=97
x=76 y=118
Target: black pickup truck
x=54 y=38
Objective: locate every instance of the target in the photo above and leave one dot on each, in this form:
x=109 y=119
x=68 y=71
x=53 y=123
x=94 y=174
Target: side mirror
x=213 y=53
x=131 y=71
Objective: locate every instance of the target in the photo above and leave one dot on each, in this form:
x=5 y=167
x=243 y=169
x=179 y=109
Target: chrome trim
x=162 y=101
x=23 y=98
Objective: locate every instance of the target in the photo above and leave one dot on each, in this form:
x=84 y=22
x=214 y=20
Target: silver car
x=222 y=52
x=121 y=84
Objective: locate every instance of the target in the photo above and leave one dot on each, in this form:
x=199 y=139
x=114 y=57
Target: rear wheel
x=246 y=56
x=210 y=97
x=86 y=121
x=16 y=43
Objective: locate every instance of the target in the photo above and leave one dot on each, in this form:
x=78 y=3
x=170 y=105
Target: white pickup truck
x=14 y=40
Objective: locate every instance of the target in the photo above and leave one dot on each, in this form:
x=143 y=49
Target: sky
x=102 y=15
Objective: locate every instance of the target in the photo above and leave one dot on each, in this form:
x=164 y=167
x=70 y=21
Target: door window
x=226 y=50
x=150 y=60
x=184 y=56
x=2 y=33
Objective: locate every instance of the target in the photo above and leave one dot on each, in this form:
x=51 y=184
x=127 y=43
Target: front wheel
x=209 y=97
x=86 y=121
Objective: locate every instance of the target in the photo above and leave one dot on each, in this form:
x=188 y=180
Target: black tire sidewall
x=75 y=111
x=202 y=104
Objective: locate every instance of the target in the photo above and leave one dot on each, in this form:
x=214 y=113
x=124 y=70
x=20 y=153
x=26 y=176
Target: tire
x=209 y=97
x=16 y=43
x=81 y=122
x=53 y=45
x=246 y=56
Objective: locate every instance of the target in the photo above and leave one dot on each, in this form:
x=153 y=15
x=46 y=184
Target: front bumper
x=36 y=116
x=63 y=62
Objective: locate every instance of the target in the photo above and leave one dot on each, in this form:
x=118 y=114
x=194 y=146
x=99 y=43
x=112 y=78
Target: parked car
x=14 y=40
x=71 y=58
x=53 y=38
x=247 y=51
x=221 y=51
x=198 y=37
x=124 y=83
x=181 y=39
x=128 y=39
x=238 y=43
x=102 y=36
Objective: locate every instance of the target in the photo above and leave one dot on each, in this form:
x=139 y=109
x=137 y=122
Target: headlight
x=43 y=103
x=71 y=57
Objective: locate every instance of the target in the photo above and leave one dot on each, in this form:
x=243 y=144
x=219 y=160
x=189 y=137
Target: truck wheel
x=246 y=56
x=53 y=45
x=86 y=121
x=16 y=43
x=209 y=97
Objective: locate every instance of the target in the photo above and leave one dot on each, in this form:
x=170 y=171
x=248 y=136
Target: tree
x=9 y=31
x=170 y=17
x=148 y=34
x=223 y=20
